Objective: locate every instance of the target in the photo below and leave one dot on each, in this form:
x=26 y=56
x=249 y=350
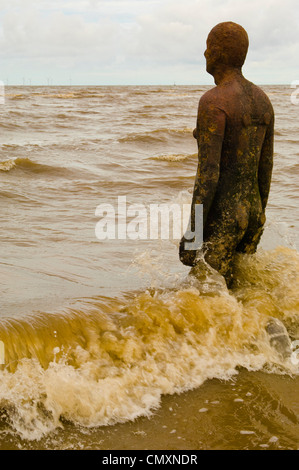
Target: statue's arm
x=266 y=164
x=209 y=132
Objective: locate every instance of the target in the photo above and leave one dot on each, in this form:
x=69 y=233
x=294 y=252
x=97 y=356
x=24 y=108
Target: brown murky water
x=108 y=344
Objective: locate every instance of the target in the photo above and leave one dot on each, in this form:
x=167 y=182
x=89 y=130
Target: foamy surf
x=8 y=165
x=28 y=166
x=111 y=360
x=24 y=163
x=174 y=157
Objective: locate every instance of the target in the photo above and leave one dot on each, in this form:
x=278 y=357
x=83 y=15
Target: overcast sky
x=115 y=42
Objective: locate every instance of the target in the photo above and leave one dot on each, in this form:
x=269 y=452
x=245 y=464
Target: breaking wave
x=28 y=166
x=111 y=359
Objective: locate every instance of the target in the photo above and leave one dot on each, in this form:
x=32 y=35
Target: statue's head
x=227 y=46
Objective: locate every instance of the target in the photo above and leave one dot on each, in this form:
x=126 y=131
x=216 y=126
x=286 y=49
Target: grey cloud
x=129 y=36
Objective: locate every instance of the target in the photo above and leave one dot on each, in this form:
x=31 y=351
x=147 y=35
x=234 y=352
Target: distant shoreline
x=113 y=85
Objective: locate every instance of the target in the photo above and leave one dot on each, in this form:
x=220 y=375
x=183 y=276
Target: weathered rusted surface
x=234 y=132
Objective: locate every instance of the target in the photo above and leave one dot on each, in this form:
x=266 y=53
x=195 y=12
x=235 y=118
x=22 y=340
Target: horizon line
x=127 y=85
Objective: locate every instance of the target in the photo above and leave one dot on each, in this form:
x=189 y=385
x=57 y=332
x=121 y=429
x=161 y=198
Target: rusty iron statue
x=234 y=132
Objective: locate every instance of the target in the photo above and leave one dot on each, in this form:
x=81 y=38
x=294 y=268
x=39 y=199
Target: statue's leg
x=250 y=242
x=253 y=234
x=220 y=254
x=219 y=249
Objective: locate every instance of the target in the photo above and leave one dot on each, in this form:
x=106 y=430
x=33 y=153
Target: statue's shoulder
x=261 y=96
x=266 y=98
x=212 y=97
x=210 y=94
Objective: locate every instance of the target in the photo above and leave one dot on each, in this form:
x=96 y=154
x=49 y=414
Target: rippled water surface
x=108 y=344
